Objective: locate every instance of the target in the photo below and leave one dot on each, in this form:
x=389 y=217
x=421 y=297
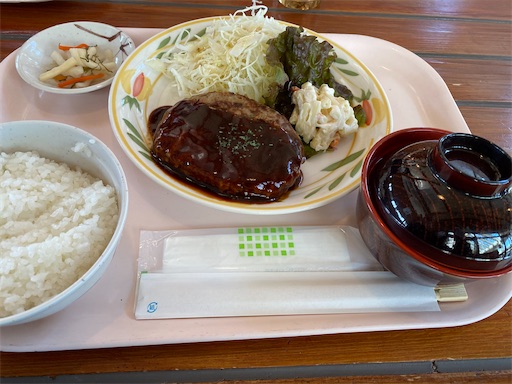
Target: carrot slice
x=75 y=80
x=68 y=47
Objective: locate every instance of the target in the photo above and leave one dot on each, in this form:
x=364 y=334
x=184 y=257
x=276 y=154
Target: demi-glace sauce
x=229 y=155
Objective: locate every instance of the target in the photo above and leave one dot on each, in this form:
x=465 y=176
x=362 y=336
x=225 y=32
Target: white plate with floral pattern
x=138 y=89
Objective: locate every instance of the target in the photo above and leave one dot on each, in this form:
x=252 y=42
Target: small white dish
x=33 y=58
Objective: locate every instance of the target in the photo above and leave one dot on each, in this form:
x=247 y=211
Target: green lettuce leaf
x=305 y=59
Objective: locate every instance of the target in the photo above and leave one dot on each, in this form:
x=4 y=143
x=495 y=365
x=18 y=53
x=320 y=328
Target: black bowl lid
x=449 y=199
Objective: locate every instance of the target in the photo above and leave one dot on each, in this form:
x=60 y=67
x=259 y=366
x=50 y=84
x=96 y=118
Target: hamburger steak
x=228 y=144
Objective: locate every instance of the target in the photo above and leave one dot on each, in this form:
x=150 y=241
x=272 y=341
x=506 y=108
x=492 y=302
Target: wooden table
x=469 y=43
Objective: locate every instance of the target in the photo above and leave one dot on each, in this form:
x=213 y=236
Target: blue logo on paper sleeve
x=152 y=307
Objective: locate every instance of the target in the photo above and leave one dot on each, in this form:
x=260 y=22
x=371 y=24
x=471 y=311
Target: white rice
x=54 y=224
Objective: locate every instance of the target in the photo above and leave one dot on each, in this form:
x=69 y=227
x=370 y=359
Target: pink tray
x=104 y=316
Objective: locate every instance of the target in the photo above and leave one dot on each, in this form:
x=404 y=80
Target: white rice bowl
x=63 y=204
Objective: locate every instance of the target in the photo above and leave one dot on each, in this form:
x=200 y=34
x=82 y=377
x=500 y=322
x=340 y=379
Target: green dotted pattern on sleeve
x=266 y=241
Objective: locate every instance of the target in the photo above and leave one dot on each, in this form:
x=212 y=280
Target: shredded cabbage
x=229 y=56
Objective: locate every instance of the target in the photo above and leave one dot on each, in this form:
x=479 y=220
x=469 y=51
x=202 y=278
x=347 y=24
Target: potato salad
x=321 y=118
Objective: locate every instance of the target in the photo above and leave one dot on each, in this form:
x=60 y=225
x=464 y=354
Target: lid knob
x=473 y=165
